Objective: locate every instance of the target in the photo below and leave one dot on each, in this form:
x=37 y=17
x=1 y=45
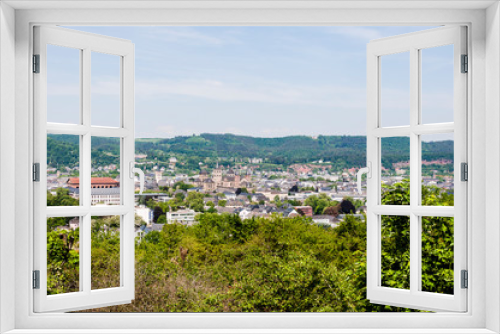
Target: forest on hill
x=341 y=151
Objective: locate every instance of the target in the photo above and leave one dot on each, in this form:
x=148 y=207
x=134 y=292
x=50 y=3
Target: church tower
x=217 y=174
x=237 y=179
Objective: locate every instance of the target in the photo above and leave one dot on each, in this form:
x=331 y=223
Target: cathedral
x=220 y=179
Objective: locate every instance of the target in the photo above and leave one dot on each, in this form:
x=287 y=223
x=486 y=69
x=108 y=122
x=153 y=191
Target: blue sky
x=258 y=81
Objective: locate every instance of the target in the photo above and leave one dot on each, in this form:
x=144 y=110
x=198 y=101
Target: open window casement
x=395 y=276
x=75 y=237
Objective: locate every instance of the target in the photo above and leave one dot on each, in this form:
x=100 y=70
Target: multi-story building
x=104 y=190
x=218 y=179
x=185 y=217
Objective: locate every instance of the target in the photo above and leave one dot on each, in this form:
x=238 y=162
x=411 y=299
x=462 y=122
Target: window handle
x=361 y=171
x=134 y=171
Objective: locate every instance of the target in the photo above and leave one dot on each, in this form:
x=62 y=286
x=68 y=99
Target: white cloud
x=335 y=96
x=100 y=86
x=265 y=92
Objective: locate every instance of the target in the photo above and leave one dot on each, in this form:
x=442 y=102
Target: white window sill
x=251 y=331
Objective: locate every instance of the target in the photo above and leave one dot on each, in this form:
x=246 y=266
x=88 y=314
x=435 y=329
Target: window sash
x=87 y=43
x=414 y=297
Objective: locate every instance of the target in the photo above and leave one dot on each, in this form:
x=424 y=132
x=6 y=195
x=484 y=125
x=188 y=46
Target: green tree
x=346 y=206
x=63 y=261
x=319 y=203
x=194 y=200
x=275 y=264
x=157 y=212
x=183 y=186
x=332 y=210
x=62 y=198
x=294 y=202
x=437 y=241
x=277 y=201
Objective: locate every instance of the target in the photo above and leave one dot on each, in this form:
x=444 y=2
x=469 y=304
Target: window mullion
x=85 y=172
x=127 y=273
x=415 y=261
x=85 y=150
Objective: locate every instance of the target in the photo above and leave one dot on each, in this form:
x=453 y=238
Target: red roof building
x=304 y=210
x=96 y=182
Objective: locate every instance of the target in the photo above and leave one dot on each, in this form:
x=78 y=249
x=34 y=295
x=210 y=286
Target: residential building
x=185 y=217
x=325 y=220
x=104 y=190
x=304 y=210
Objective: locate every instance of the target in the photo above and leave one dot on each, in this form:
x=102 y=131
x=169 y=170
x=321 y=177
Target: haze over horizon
x=426 y=138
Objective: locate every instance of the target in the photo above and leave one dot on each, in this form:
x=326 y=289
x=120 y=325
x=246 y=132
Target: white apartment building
x=185 y=217
x=100 y=196
x=105 y=196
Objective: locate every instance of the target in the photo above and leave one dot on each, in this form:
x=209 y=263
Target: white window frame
x=484 y=103
x=86 y=44
x=413 y=44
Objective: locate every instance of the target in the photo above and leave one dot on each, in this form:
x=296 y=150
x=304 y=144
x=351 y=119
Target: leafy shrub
x=276 y=264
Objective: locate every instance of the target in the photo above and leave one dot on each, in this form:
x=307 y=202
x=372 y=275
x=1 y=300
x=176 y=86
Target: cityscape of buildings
x=242 y=189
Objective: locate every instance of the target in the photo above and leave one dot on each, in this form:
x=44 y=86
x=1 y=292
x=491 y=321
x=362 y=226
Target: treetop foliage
x=276 y=264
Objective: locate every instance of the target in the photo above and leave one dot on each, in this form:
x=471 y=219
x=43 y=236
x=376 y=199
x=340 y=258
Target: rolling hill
x=342 y=151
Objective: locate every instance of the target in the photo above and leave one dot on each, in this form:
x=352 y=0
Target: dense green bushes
x=224 y=264
x=437 y=241
x=63 y=261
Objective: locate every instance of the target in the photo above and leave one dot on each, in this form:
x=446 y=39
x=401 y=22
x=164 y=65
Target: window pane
x=395 y=252
x=395 y=171
x=63 y=170
x=63 y=255
x=437 y=84
x=63 y=84
x=105 y=89
x=437 y=254
x=395 y=89
x=437 y=169
x=105 y=178
x=105 y=252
